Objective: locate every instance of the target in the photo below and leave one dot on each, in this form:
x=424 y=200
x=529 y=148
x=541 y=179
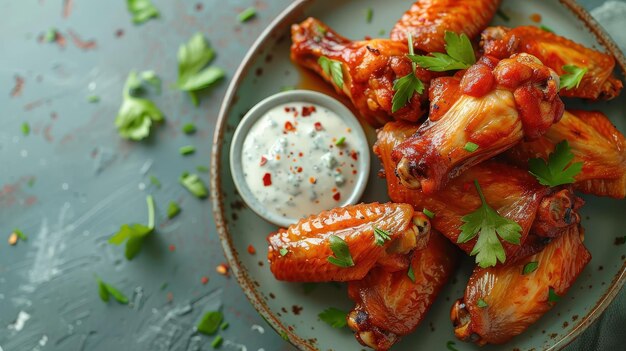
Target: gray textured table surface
x=71 y=183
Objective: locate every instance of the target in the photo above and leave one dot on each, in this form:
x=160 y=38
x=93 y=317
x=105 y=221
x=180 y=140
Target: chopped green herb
x=573 y=77
x=20 y=235
x=31 y=181
x=411 y=274
x=309 y=287
x=546 y=28
x=428 y=213
x=50 y=35
x=332 y=69
x=489 y=224
x=406 y=86
x=210 y=322
x=341 y=251
x=153 y=79
x=25 y=128
x=164 y=286
x=142 y=10
x=283 y=334
x=193 y=76
x=106 y=290
x=246 y=15
x=552 y=296
x=136 y=115
x=334 y=317
x=155 y=181
x=287 y=88
x=224 y=326
x=187 y=150
x=193 y=184
x=134 y=234
x=503 y=15
x=450 y=346
x=369 y=14
x=530 y=267
x=172 y=210
x=341 y=141
x=459 y=55
x=283 y=251
x=202 y=169
x=189 y=128
x=481 y=303
x=217 y=341
x=559 y=169
x=93 y=98
x=470 y=147
x=382 y=32
x=380 y=236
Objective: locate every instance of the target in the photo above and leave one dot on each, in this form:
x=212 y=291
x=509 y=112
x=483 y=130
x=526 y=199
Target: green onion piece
x=341 y=141
x=546 y=28
x=470 y=147
x=283 y=251
x=247 y=14
x=530 y=267
x=187 y=150
x=217 y=342
x=93 y=98
x=155 y=181
x=210 y=322
x=203 y=169
x=369 y=14
x=194 y=185
x=25 y=128
x=189 y=128
x=172 y=210
x=481 y=303
x=224 y=326
x=428 y=213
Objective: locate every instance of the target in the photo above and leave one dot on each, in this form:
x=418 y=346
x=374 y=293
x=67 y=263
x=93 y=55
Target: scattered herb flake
x=203 y=169
x=332 y=69
x=481 y=303
x=153 y=79
x=217 y=341
x=194 y=185
x=459 y=55
x=283 y=251
x=134 y=234
x=210 y=322
x=25 y=128
x=450 y=346
x=193 y=76
x=164 y=286
x=283 y=334
x=470 y=147
x=552 y=296
x=334 y=317
x=380 y=236
x=106 y=290
x=546 y=28
x=136 y=115
x=246 y=15
x=187 y=150
x=406 y=86
x=557 y=170
x=142 y=10
x=224 y=326
x=20 y=235
x=341 y=141
x=341 y=251
x=172 y=210
x=489 y=224
x=189 y=128
x=287 y=88
x=155 y=181
x=428 y=213
x=93 y=98
x=369 y=14
x=50 y=35
x=382 y=32
x=573 y=76
x=411 y=274
x=530 y=267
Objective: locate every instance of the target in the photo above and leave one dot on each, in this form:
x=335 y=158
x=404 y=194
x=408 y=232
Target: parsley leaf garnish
x=553 y=297
x=572 y=78
x=341 y=250
x=217 y=341
x=283 y=251
x=380 y=236
x=172 y=210
x=530 y=267
x=136 y=114
x=335 y=317
x=428 y=213
x=333 y=69
x=194 y=184
x=134 y=234
x=406 y=86
x=489 y=224
x=411 y=274
x=556 y=171
x=210 y=322
x=142 y=10
x=470 y=147
x=20 y=234
x=460 y=55
x=193 y=76
x=106 y=290
x=481 y=303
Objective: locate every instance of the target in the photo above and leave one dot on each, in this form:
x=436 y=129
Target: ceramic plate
x=292 y=309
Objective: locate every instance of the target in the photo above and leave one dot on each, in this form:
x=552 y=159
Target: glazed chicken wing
x=511 y=191
x=428 y=20
x=515 y=300
x=594 y=141
x=301 y=252
x=498 y=103
x=554 y=51
x=390 y=305
x=369 y=69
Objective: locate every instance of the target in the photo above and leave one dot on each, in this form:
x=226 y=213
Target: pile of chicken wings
x=508 y=105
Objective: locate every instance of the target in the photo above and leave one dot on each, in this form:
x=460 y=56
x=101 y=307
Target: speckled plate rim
x=230 y=252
